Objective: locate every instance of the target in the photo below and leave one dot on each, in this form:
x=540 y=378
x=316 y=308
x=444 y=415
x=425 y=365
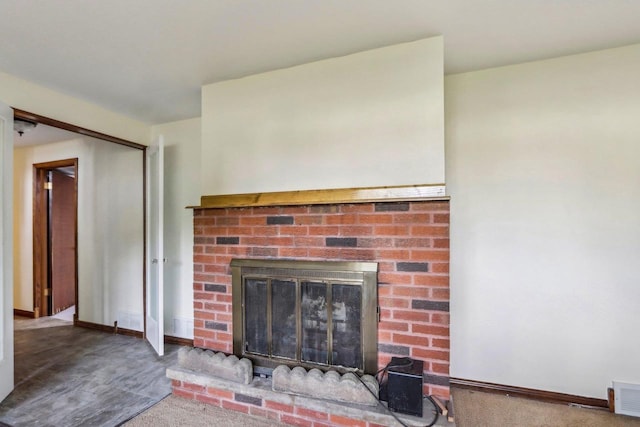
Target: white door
x=6 y=250
x=155 y=250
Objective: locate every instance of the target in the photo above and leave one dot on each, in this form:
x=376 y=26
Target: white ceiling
x=148 y=58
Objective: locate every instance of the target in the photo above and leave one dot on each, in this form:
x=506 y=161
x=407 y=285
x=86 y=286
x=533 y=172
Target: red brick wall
x=408 y=240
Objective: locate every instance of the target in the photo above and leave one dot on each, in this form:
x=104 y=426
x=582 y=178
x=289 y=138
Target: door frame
x=25 y=115
x=41 y=257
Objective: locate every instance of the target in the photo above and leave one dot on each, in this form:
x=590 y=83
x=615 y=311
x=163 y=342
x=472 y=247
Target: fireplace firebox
x=320 y=314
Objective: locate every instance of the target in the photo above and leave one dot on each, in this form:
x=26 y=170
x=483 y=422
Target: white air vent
x=627 y=398
x=129 y=320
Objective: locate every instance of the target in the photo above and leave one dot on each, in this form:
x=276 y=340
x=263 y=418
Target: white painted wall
x=369 y=119
x=113 y=220
x=543 y=167
x=31 y=97
x=110 y=228
x=182 y=189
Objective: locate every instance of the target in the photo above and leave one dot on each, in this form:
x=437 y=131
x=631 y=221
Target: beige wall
x=543 y=168
x=369 y=119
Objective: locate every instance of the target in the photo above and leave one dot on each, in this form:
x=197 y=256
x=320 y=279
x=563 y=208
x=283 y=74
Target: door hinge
x=47 y=292
x=48 y=185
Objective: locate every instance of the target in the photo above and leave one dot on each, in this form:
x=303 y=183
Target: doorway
x=55 y=237
x=109 y=199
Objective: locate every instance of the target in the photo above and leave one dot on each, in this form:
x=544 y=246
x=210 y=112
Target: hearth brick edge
x=260 y=400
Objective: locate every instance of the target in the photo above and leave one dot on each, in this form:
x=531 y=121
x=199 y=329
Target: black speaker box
x=404 y=385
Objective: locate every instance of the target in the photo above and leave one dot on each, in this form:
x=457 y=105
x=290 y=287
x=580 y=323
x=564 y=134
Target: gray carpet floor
x=472 y=409
x=69 y=376
x=477 y=409
x=176 y=412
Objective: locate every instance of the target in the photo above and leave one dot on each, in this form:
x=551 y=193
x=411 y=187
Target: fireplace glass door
x=305 y=316
x=283 y=319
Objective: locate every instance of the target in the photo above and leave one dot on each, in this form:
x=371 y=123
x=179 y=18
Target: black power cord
x=384 y=370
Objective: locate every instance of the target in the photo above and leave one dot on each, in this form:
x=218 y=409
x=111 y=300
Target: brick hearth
x=408 y=240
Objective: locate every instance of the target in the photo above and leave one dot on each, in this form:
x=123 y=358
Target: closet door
x=155 y=246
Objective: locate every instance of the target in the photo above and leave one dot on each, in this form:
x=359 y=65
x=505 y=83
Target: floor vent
x=627 y=398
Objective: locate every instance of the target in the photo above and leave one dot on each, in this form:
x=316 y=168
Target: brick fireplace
x=408 y=239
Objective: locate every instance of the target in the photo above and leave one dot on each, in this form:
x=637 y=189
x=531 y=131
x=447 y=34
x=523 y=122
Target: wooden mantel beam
x=325 y=197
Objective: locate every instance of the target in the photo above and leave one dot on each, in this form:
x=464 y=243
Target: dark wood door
x=63 y=241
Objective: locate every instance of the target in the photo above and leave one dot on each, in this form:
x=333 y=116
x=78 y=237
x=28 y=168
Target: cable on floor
x=384 y=370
